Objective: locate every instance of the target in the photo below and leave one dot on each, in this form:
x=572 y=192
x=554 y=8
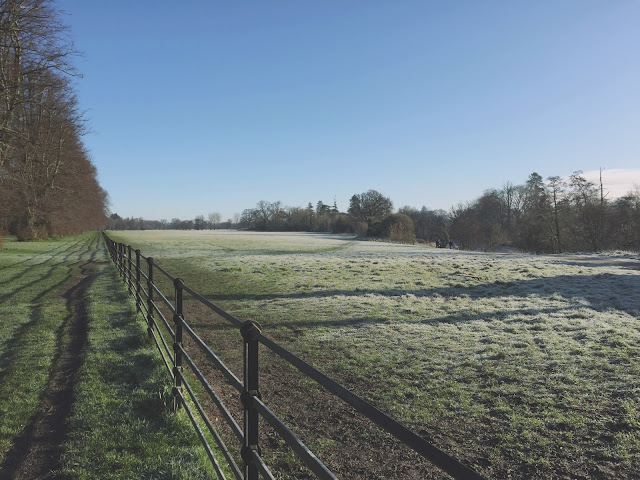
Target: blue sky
x=204 y=106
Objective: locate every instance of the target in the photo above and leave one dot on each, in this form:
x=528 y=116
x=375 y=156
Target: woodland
x=49 y=187
x=540 y=216
x=48 y=184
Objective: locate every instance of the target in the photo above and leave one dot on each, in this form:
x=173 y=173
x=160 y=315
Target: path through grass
x=83 y=391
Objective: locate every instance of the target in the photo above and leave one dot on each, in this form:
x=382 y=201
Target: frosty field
x=521 y=366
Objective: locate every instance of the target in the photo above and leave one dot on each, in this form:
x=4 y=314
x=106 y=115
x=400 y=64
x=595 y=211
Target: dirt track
x=36 y=453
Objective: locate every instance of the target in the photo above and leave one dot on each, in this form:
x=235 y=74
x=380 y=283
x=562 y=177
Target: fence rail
x=169 y=337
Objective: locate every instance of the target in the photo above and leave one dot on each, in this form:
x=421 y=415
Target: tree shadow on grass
x=36 y=451
x=599 y=292
x=592 y=262
x=52 y=267
x=7 y=359
x=53 y=255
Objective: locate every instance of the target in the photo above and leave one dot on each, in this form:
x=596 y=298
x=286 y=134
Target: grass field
x=83 y=391
x=521 y=366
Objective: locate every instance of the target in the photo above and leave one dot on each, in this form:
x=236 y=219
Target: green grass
x=523 y=366
x=33 y=315
x=119 y=426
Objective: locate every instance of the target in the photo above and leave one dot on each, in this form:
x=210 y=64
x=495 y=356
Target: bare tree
x=45 y=173
x=34 y=46
x=556 y=187
x=589 y=203
x=214 y=219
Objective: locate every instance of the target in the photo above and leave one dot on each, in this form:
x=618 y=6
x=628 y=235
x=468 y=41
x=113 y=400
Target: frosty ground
x=522 y=366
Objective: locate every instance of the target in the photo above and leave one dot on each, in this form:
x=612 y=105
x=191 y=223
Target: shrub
x=375 y=230
x=398 y=227
x=31 y=233
x=346 y=225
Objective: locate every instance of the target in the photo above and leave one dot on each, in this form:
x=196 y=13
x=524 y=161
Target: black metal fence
x=148 y=297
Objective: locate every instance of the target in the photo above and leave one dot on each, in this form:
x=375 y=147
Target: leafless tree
x=45 y=173
x=556 y=188
x=214 y=219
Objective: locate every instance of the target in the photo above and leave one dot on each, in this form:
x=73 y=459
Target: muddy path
x=36 y=452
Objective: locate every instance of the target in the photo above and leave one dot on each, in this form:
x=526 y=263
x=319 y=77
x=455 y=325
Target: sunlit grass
x=120 y=425
x=528 y=363
x=32 y=317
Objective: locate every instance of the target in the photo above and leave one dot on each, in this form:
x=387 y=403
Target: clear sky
x=203 y=106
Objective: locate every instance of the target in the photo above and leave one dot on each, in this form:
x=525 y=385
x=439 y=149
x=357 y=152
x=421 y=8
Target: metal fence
x=168 y=337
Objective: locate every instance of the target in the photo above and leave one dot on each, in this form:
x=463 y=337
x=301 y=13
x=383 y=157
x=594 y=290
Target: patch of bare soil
x=36 y=453
x=349 y=444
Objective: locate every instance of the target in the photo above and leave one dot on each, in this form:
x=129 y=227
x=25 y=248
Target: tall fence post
x=249 y=331
x=150 y=296
x=138 y=299
x=120 y=260
x=129 y=267
x=178 y=317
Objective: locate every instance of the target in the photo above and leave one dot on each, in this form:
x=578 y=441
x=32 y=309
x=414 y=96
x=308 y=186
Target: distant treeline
x=550 y=216
x=539 y=216
x=48 y=185
x=115 y=222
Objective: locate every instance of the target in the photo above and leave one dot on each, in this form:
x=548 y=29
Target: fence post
x=177 y=344
x=150 y=296
x=138 y=299
x=124 y=263
x=249 y=331
x=120 y=262
x=129 y=272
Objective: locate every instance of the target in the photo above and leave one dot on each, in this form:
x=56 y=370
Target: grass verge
x=121 y=427
x=60 y=296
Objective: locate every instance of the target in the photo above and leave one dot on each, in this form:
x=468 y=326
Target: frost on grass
x=527 y=357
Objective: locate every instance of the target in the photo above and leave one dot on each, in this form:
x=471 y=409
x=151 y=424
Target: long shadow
x=601 y=292
x=51 y=260
x=368 y=321
x=10 y=354
x=52 y=254
x=62 y=247
x=36 y=452
x=43 y=278
x=606 y=262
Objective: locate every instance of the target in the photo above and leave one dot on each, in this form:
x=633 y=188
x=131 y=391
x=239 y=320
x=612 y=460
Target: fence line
x=129 y=265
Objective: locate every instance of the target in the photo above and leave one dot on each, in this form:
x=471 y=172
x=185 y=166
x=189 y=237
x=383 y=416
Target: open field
x=84 y=392
x=521 y=366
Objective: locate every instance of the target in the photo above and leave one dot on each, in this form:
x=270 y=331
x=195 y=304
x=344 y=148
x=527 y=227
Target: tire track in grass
x=12 y=332
x=36 y=452
x=45 y=347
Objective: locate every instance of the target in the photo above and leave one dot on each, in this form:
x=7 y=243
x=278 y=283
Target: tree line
x=48 y=185
x=553 y=216
x=550 y=216
x=213 y=221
